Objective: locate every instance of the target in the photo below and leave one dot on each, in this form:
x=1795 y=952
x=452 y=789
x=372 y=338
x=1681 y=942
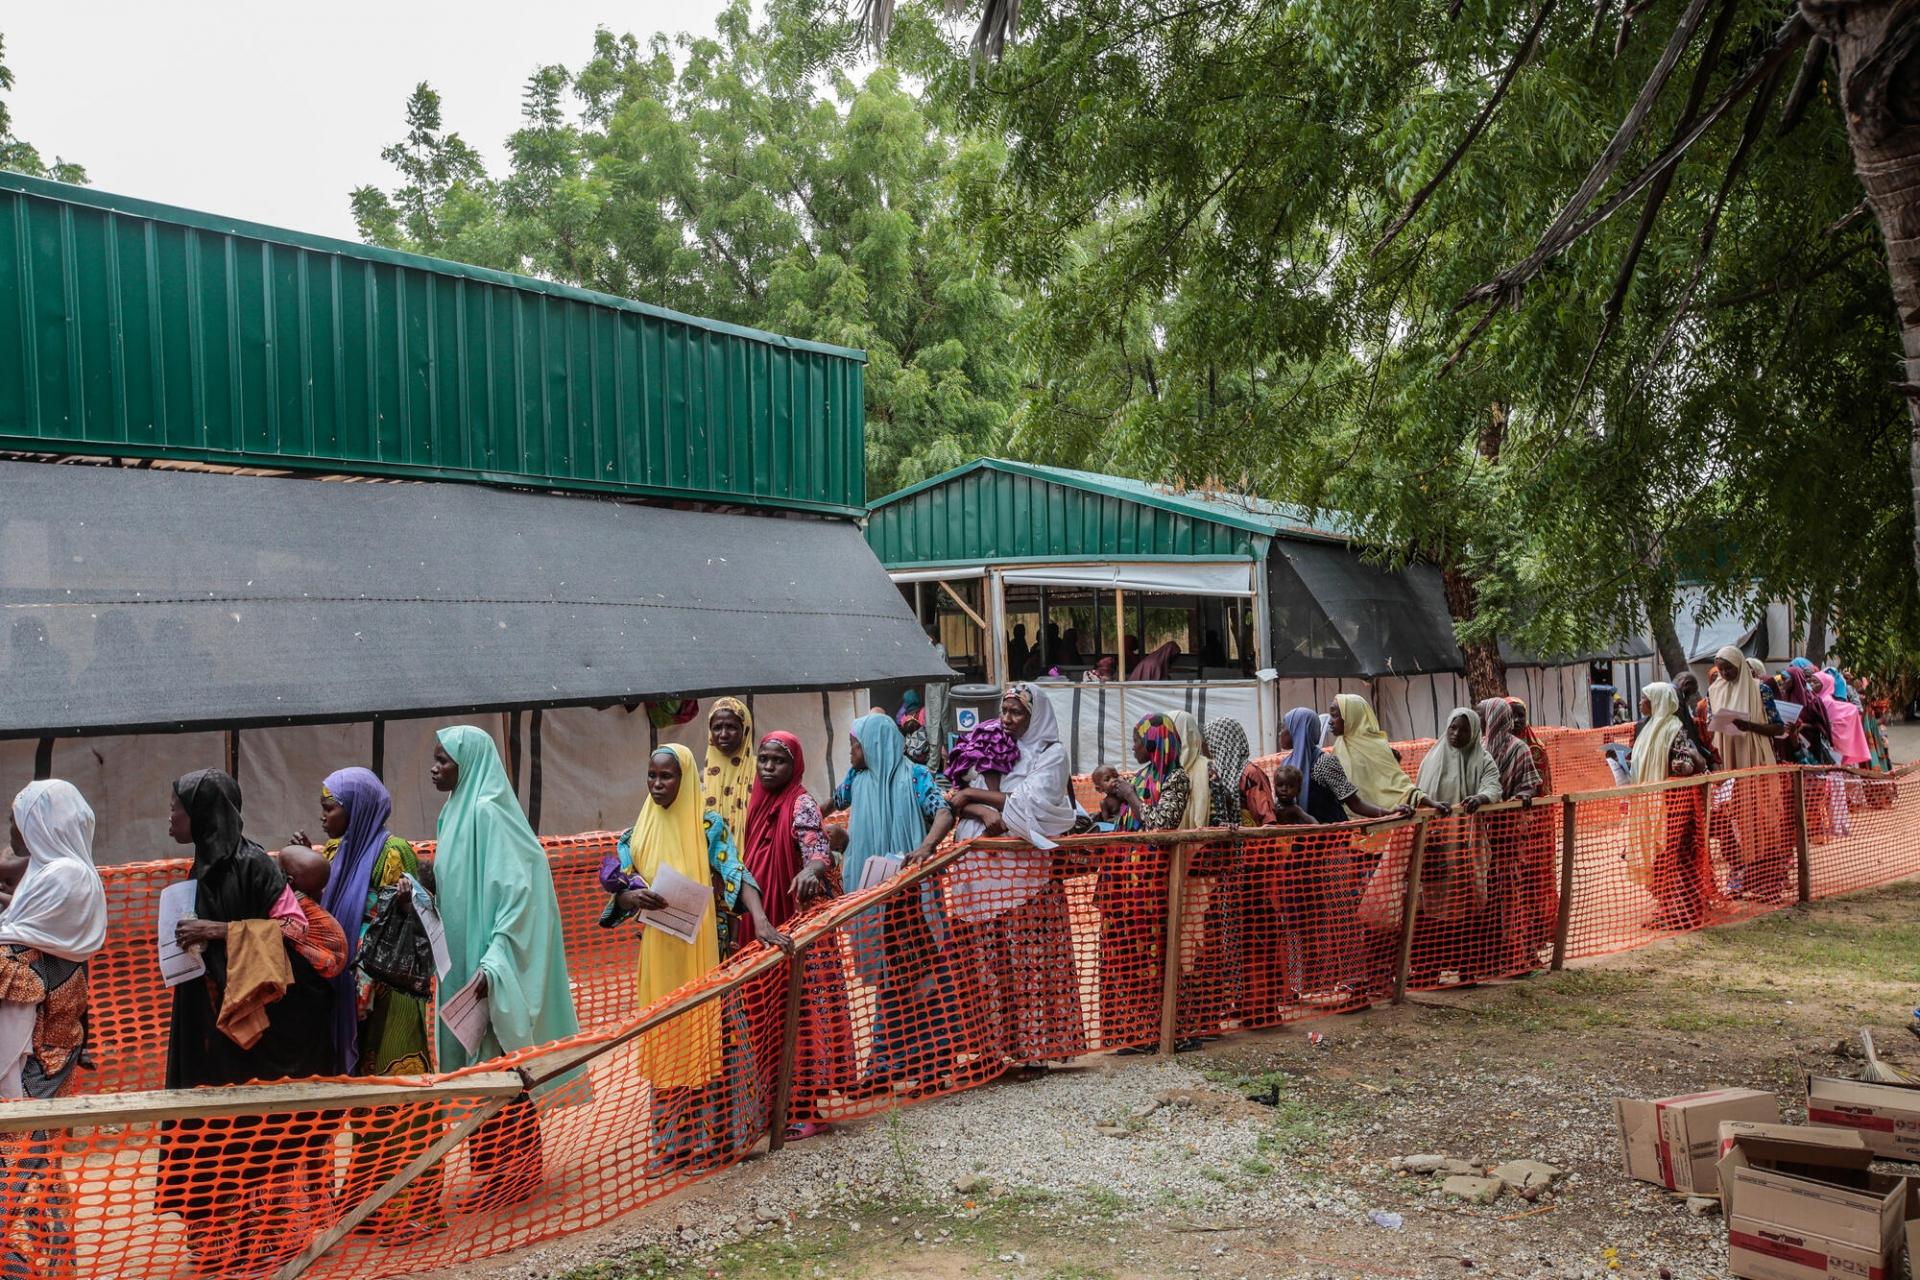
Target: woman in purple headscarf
x=377 y=1031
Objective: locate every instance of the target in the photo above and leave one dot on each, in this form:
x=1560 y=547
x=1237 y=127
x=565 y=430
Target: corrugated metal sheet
x=140 y=330
x=991 y=512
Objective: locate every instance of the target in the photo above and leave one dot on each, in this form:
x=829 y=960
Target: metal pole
x=1170 y=945
x=1120 y=630
x=1409 y=911
x=1801 y=844
x=1563 y=920
x=789 y=1043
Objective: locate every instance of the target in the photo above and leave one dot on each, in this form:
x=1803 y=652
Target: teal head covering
x=885 y=817
x=497 y=901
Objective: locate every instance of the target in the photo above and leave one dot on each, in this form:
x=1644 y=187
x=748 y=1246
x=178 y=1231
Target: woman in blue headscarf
x=503 y=924
x=377 y=1031
x=895 y=809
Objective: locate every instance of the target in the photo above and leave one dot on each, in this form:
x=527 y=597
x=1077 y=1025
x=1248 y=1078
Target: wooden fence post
x=1170 y=945
x=789 y=1042
x=1801 y=845
x=1563 y=919
x=1410 y=911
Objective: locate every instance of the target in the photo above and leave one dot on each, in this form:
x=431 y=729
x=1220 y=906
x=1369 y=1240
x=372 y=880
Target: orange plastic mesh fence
x=991 y=956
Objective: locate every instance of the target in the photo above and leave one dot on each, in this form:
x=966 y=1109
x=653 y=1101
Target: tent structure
x=1272 y=606
x=584 y=512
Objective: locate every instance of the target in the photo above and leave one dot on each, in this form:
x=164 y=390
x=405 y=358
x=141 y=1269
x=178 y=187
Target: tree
x=749 y=184
x=1193 y=196
x=21 y=156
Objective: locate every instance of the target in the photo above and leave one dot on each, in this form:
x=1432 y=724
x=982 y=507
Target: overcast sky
x=275 y=111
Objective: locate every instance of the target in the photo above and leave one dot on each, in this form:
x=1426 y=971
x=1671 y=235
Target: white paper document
x=429 y=914
x=687 y=903
x=1789 y=711
x=1722 y=721
x=466 y=1015
x=177 y=964
x=878 y=869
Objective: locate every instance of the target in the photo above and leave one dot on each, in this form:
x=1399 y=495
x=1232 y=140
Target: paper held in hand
x=687 y=903
x=1722 y=721
x=429 y=916
x=878 y=869
x=466 y=1015
x=177 y=964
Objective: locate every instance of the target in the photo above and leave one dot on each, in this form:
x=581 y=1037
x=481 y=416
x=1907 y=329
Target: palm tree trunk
x=1877 y=46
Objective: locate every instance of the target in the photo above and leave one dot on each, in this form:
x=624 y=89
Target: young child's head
x=305 y=870
x=1103 y=778
x=1286 y=785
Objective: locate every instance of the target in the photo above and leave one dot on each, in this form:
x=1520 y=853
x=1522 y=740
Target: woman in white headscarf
x=1756 y=807
x=54 y=925
x=1668 y=849
x=1457 y=773
x=1032 y=985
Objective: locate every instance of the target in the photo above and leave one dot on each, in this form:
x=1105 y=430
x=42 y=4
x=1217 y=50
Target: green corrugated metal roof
x=996 y=511
x=134 y=329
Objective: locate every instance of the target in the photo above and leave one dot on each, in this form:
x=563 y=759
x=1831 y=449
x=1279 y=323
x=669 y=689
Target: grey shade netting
x=147 y=599
x=1335 y=614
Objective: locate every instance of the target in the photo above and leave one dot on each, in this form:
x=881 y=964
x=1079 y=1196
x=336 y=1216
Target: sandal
x=800 y=1131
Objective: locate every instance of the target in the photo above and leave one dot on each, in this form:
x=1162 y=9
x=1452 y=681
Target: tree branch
x=1487 y=109
x=1756 y=116
x=1657 y=196
x=1804 y=84
x=1789 y=38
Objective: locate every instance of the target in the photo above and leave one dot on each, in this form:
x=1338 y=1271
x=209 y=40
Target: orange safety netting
x=995 y=955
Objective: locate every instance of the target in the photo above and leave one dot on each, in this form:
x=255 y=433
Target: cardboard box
x=1675 y=1142
x=1886 y=1116
x=1803 y=1204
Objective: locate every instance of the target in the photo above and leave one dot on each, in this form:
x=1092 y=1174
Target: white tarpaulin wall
x=1417 y=706
x=1096 y=720
x=593 y=768
x=1198 y=578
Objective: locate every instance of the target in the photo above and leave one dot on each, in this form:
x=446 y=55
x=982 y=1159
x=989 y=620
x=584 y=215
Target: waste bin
x=1602 y=705
x=968 y=705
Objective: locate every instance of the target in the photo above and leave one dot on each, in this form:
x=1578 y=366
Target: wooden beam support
x=399 y=1182
x=1563 y=918
x=965 y=608
x=789 y=1041
x=1177 y=861
x=1803 y=847
x=149 y=1106
x=1409 y=912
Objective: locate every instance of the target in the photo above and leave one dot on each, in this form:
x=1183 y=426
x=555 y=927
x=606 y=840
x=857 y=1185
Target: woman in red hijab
x=786 y=850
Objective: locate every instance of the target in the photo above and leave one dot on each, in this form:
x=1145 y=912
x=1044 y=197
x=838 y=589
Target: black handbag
x=395 y=951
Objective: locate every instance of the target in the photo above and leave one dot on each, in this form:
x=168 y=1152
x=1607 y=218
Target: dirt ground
x=1262 y=1156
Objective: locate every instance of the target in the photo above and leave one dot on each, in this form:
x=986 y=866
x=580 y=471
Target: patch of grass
x=1699 y=1020
x=1105 y=1202
x=1859 y=945
x=1076 y=1272
x=1255 y=1167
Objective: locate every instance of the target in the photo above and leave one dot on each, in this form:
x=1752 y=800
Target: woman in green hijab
x=503 y=923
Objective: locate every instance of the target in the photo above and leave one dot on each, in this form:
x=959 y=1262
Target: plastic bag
x=395 y=951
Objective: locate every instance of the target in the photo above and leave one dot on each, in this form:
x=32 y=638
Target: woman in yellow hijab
x=705 y=1108
x=728 y=777
x=1366 y=755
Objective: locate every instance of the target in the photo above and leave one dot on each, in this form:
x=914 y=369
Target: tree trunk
x=1486 y=673
x=1815 y=649
x=1666 y=641
x=1876 y=44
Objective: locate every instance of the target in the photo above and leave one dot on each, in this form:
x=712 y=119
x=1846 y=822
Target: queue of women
x=956 y=989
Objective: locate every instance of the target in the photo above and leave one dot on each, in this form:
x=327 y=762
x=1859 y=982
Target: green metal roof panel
x=135 y=329
x=993 y=511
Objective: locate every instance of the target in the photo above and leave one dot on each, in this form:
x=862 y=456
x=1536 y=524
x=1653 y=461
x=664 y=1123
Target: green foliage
x=21 y=156
x=1192 y=195
x=738 y=176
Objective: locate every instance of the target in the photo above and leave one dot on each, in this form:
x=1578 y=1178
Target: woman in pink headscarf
x=1849 y=739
